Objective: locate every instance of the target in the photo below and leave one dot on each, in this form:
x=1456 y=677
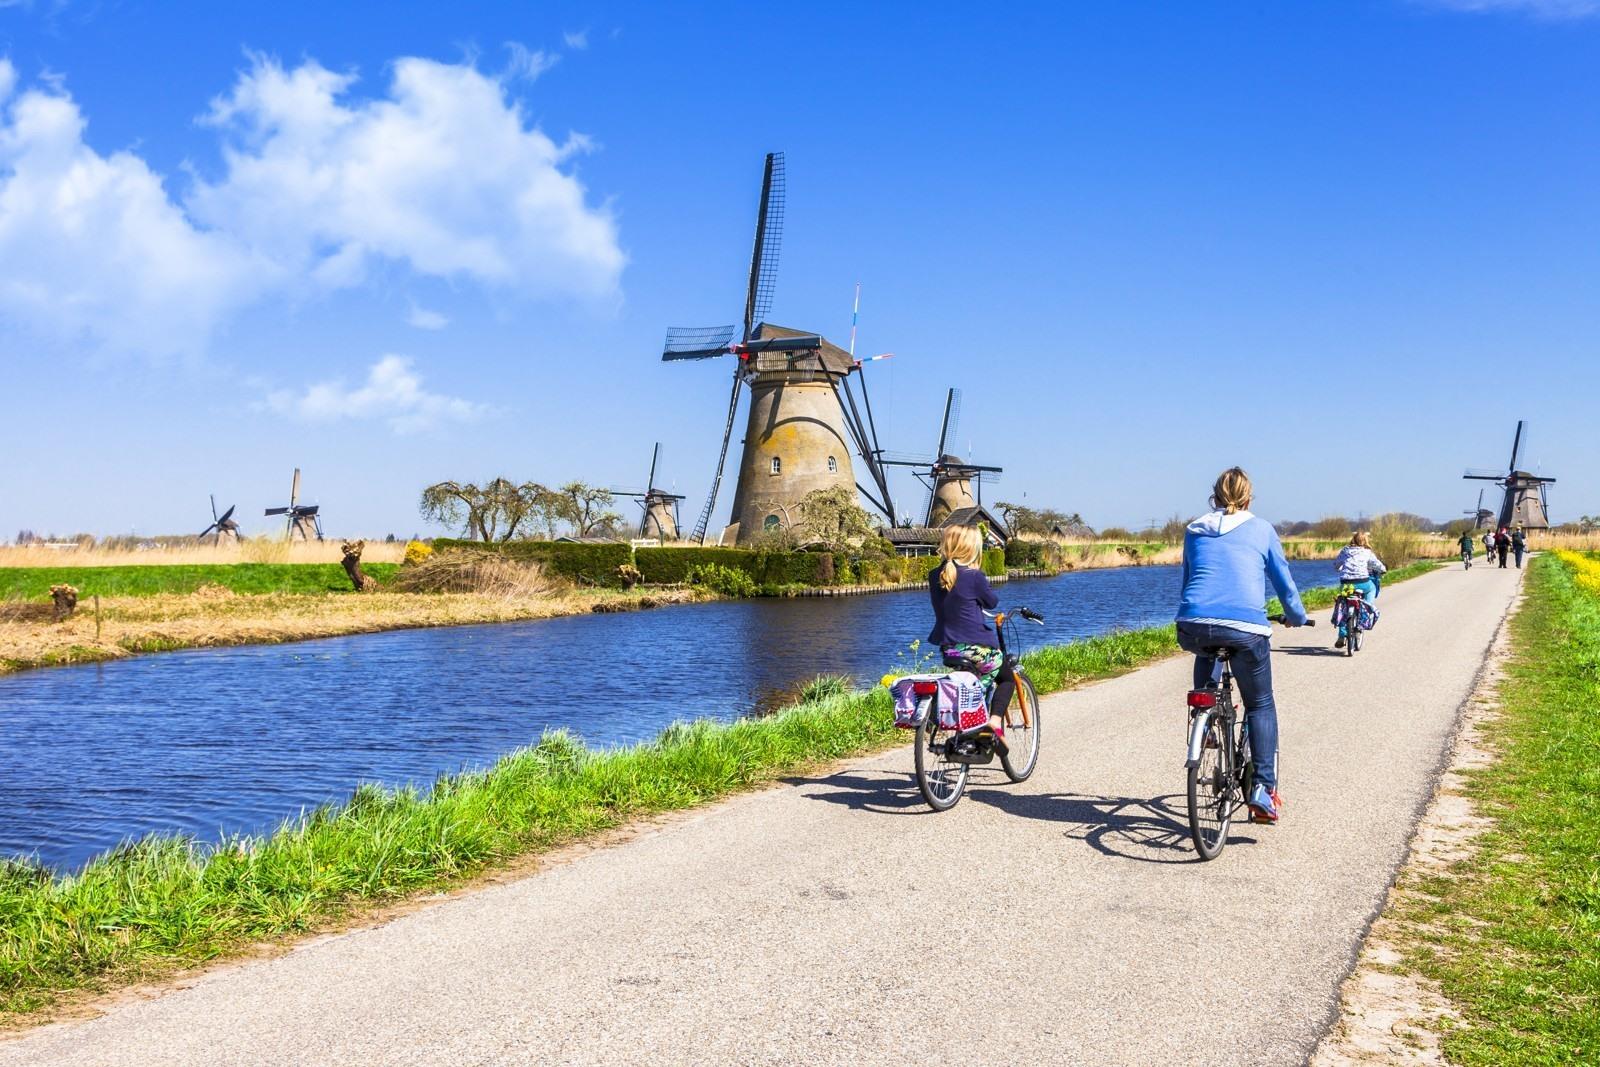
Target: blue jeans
x=1252 y=669
x=1369 y=589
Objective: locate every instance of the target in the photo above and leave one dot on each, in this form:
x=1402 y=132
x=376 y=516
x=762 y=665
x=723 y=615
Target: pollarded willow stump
x=65 y=598
x=352 y=564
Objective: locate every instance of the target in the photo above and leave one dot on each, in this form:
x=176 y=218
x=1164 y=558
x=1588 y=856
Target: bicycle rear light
x=924 y=689
x=1202 y=698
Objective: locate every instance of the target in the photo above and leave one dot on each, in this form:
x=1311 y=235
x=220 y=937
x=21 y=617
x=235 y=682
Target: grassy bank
x=164 y=903
x=1512 y=935
x=139 y=580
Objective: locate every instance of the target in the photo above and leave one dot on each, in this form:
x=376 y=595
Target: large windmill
x=660 y=518
x=951 y=481
x=227 y=530
x=1523 y=503
x=804 y=421
x=304 y=524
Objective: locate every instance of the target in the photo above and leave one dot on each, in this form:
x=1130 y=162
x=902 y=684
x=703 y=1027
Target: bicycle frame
x=1236 y=753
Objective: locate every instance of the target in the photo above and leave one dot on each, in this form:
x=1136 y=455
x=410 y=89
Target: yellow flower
x=888 y=680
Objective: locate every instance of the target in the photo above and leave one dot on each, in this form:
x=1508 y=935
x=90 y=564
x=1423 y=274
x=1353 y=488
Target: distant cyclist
x=1228 y=557
x=960 y=592
x=1488 y=546
x=1360 y=567
x=1467 y=544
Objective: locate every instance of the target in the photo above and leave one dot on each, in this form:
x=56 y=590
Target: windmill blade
x=294 y=488
x=722 y=459
x=213 y=509
x=952 y=419
x=208 y=529
x=308 y=512
x=1484 y=474
x=698 y=342
x=226 y=515
x=905 y=459
x=277 y=511
x=769 y=239
x=655 y=457
x=1516 y=445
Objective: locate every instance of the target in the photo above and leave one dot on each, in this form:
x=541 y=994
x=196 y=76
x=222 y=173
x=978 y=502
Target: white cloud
x=577 y=40
x=1552 y=10
x=423 y=319
x=392 y=392
x=528 y=62
x=441 y=174
x=93 y=250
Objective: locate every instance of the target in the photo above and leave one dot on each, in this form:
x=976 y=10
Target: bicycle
x=945 y=756
x=1466 y=560
x=1221 y=772
x=1349 y=610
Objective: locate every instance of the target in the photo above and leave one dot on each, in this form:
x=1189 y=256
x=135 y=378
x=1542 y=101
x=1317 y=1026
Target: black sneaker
x=1339 y=643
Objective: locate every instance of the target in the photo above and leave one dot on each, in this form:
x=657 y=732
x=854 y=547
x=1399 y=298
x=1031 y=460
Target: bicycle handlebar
x=1284 y=619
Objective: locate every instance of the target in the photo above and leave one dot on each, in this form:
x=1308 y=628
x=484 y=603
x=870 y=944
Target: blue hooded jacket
x=1227 y=559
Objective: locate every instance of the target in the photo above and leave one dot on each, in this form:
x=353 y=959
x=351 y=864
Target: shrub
x=728 y=581
x=670 y=565
x=994 y=562
x=1395 y=543
x=1030 y=555
x=587 y=564
x=417 y=552
x=477 y=572
x=1116 y=533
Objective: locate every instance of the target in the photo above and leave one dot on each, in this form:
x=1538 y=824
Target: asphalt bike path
x=839 y=921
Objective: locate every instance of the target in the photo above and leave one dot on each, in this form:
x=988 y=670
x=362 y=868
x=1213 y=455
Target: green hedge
x=586 y=564
x=994 y=562
x=670 y=565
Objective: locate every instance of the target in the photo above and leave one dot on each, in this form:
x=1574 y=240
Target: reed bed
x=166 y=902
x=249 y=551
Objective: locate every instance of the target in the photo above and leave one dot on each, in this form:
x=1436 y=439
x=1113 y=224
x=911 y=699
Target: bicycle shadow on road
x=1153 y=830
x=884 y=792
x=1311 y=650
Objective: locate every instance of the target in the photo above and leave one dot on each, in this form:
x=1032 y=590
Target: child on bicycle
x=1228 y=557
x=960 y=593
x=1359 y=567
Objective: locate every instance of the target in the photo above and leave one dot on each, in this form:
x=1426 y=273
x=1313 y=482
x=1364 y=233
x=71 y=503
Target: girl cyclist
x=1360 y=567
x=960 y=592
x=1228 y=557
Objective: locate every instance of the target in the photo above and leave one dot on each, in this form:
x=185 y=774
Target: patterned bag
x=958 y=696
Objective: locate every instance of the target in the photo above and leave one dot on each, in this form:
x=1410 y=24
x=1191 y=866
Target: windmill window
x=833 y=465
x=777 y=465
x=770 y=523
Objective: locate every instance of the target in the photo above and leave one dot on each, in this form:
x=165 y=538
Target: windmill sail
x=768 y=242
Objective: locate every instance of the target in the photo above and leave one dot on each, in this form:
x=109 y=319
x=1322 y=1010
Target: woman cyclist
x=1228 y=557
x=1360 y=568
x=960 y=593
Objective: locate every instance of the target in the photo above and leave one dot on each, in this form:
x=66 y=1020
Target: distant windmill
x=226 y=529
x=1480 y=515
x=660 y=519
x=950 y=481
x=1524 y=501
x=804 y=421
x=304 y=525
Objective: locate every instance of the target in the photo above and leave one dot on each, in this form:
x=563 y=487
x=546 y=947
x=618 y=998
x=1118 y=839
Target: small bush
x=825 y=687
x=728 y=581
x=417 y=552
x=994 y=562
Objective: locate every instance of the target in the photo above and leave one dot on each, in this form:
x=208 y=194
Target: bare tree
x=586 y=509
x=833 y=517
x=494 y=511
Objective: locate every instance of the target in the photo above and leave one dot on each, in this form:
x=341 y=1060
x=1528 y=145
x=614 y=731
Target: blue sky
x=402 y=243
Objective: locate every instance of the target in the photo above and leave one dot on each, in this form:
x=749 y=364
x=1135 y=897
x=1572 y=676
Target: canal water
x=231 y=740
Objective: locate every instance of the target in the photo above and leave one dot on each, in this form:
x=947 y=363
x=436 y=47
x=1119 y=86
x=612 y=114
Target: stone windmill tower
x=953 y=484
x=804 y=430
x=1523 y=503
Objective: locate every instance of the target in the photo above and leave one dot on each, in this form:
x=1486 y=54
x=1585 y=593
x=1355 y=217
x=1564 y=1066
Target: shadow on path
x=1148 y=830
x=1311 y=650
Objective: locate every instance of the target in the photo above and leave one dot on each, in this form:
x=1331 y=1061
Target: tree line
x=502 y=510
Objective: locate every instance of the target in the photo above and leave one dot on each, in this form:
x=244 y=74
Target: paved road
x=838 y=921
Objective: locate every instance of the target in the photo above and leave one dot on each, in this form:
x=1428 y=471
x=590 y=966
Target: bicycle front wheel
x=1022 y=731
x=941 y=780
x=1211 y=793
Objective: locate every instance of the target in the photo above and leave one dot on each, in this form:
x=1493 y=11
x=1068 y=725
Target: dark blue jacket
x=958 y=614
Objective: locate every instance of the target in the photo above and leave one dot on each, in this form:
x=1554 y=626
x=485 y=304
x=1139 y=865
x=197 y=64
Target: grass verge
x=32 y=583
x=166 y=902
x=1512 y=935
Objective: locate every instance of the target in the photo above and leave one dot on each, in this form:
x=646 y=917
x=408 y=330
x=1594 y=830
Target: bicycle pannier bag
x=959 y=696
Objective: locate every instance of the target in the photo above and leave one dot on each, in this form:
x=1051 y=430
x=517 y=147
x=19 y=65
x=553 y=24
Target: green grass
x=31 y=583
x=166 y=902
x=1513 y=934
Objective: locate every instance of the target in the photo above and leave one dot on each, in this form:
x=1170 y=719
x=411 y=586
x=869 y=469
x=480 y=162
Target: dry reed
x=480 y=573
x=255 y=551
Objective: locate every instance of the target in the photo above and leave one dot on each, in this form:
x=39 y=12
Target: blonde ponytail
x=960 y=545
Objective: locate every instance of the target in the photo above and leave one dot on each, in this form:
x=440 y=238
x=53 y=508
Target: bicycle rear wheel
x=941 y=780
x=1211 y=793
x=1022 y=731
